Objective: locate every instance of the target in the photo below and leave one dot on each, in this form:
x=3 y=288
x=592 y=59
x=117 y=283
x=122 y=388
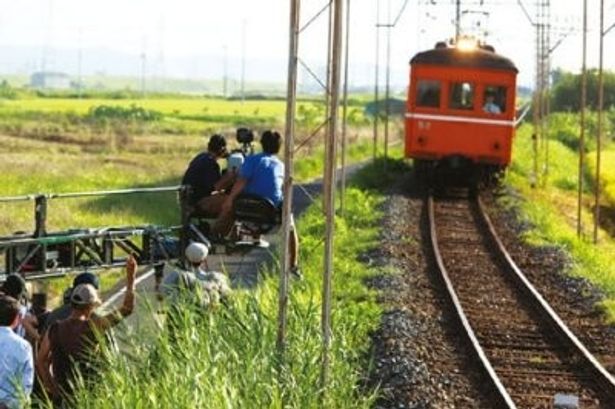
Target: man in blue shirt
x=16 y=362
x=261 y=175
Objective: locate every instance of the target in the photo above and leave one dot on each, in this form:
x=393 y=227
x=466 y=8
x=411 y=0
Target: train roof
x=478 y=58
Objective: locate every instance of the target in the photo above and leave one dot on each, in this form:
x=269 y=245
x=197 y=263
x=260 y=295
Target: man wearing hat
x=63 y=311
x=214 y=285
x=69 y=343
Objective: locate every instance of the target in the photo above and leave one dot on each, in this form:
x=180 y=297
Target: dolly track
x=527 y=351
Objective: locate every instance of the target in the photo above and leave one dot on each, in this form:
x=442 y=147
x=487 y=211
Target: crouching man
x=197 y=288
x=208 y=286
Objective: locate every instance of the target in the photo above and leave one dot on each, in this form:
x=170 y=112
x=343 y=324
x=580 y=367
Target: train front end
x=460 y=114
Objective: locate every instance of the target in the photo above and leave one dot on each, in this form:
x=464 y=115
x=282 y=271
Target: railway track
x=527 y=351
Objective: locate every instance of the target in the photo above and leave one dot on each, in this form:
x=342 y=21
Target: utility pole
x=345 y=110
x=143 y=71
x=547 y=85
x=289 y=133
x=377 y=80
x=457 y=19
x=600 y=125
x=329 y=189
x=79 y=60
x=225 y=71
x=243 y=61
x=387 y=97
x=582 y=134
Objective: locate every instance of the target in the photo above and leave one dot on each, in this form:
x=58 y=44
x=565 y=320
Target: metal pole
x=547 y=109
x=329 y=50
x=143 y=70
x=40 y=215
x=377 y=79
x=536 y=109
x=79 y=62
x=243 y=61
x=582 y=135
x=225 y=71
x=345 y=110
x=328 y=83
x=600 y=123
x=457 y=20
x=540 y=132
x=329 y=183
x=387 y=106
x=289 y=133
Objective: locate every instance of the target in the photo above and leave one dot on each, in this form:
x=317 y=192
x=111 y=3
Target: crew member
x=213 y=285
x=62 y=312
x=16 y=362
x=261 y=175
x=15 y=286
x=205 y=179
x=69 y=346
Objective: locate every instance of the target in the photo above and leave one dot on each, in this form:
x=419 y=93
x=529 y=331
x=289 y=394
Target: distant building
x=50 y=80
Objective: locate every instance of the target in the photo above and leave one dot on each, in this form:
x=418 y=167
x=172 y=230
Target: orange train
x=461 y=111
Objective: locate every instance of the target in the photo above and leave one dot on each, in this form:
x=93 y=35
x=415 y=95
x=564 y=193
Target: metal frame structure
x=43 y=254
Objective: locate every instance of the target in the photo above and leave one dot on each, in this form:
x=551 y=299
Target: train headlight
x=466 y=44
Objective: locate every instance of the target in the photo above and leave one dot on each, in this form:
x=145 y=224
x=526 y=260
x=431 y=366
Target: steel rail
x=25 y=198
x=504 y=396
x=114 y=192
x=99 y=233
x=11 y=199
x=605 y=379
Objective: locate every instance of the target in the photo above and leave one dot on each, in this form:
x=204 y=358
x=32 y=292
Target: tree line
x=566 y=93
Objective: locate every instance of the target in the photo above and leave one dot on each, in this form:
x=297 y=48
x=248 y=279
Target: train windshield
x=428 y=93
x=461 y=96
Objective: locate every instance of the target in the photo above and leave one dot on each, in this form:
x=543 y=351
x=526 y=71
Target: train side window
x=428 y=93
x=494 y=99
x=461 y=96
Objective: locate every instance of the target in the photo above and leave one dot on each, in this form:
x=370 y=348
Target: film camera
x=236 y=158
x=245 y=137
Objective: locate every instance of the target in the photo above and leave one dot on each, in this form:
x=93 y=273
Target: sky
x=174 y=33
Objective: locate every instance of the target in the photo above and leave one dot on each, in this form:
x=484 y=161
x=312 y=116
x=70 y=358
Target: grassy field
x=94 y=120
x=551 y=209
x=71 y=117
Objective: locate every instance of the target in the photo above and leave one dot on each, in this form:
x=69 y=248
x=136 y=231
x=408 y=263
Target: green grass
x=225 y=357
x=551 y=211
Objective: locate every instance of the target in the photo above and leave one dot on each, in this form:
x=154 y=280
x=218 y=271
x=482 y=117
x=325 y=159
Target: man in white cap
x=212 y=285
x=71 y=343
